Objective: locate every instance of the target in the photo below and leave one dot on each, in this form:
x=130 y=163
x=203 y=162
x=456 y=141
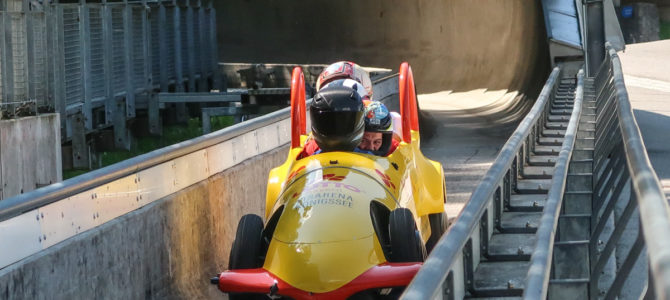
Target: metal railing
x=444 y=269
x=537 y=280
x=620 y=158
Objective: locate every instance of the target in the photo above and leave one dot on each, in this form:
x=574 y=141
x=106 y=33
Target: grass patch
x=664 y=34
x=171 y=135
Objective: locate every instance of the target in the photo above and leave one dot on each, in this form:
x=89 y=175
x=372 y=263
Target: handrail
x=537 y=280
x=428 y=281
x=653 y=207
x=19 y=204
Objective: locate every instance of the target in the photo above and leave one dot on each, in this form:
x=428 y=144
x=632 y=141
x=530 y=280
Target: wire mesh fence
x=81 y=57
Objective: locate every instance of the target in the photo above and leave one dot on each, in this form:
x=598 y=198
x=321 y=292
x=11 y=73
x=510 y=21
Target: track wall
x=167 y=249
x=451 y=45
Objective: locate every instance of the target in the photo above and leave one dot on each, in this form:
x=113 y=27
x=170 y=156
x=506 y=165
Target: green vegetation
x=171 y=135
x=665 y=31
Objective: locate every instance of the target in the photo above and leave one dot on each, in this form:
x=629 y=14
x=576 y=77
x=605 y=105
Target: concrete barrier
x=30 y=154
x=167 y=249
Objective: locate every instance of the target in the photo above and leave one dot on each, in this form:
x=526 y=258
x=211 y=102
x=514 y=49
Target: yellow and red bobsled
x=341 y=224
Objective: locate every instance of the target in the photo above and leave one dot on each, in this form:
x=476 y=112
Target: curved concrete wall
x=452 y=45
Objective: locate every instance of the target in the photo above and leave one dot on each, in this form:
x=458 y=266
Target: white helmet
x=345 y=70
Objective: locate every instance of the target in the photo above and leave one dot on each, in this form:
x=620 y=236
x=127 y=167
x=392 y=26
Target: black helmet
x=336 y=114
x=378 y=119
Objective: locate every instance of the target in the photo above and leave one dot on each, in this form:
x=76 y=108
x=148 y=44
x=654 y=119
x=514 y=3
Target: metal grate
x=72 y=53
x=184 y=41
x=118 y=50
x=139 y=77
x=206 y=32
x=19 y=58
x=170 y=37
x=39 y=78
x=155 y=44
x=197 y=46
x=96 y=52
x=2 y=57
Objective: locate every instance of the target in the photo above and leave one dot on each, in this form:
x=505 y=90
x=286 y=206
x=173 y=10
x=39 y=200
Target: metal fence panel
x=3 y=72
x=72 y=55
x=39 y=78
x=19 y=56
x=170 y=41
x=155 y=44
x=118 y=57
x=183 y=31
x=137 y=46
x=96 y=51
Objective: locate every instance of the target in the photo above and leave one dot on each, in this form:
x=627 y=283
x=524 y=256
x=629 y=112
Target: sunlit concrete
x=468 y=130
x=647 y=78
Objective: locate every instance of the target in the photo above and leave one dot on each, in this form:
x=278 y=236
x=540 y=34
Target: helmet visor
x=340 y=123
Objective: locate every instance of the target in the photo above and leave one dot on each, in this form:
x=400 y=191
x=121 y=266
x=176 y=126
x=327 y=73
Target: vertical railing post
x=595 y=35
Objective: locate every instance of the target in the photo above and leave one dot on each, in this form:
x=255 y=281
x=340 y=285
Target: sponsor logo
x=332 y=177
x=386 y=179
x=292 y=174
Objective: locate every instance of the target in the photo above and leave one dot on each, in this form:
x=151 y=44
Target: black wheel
x=406 y=245
x=246 y=250
x=438 y=226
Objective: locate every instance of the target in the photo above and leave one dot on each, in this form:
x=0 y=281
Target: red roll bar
x=408 y=108
x=298 y=124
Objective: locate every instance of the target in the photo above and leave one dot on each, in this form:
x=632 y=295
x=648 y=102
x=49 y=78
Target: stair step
x=561 y=111
x=552 y=118
x=550 y=141
x=537 y=172
x=542 y=160
x=495 y=298
x=547 y=150
x=533 y=186
x=527 y=202
x=556 y=125
x=500 y=279
x=553 y=133
x=562 y=106
x=511 y=246
x=520 y=222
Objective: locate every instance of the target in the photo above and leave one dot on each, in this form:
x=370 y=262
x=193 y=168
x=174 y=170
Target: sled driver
x=337 y=115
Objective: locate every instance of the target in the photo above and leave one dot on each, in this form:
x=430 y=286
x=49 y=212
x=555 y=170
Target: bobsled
x=341 y=225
